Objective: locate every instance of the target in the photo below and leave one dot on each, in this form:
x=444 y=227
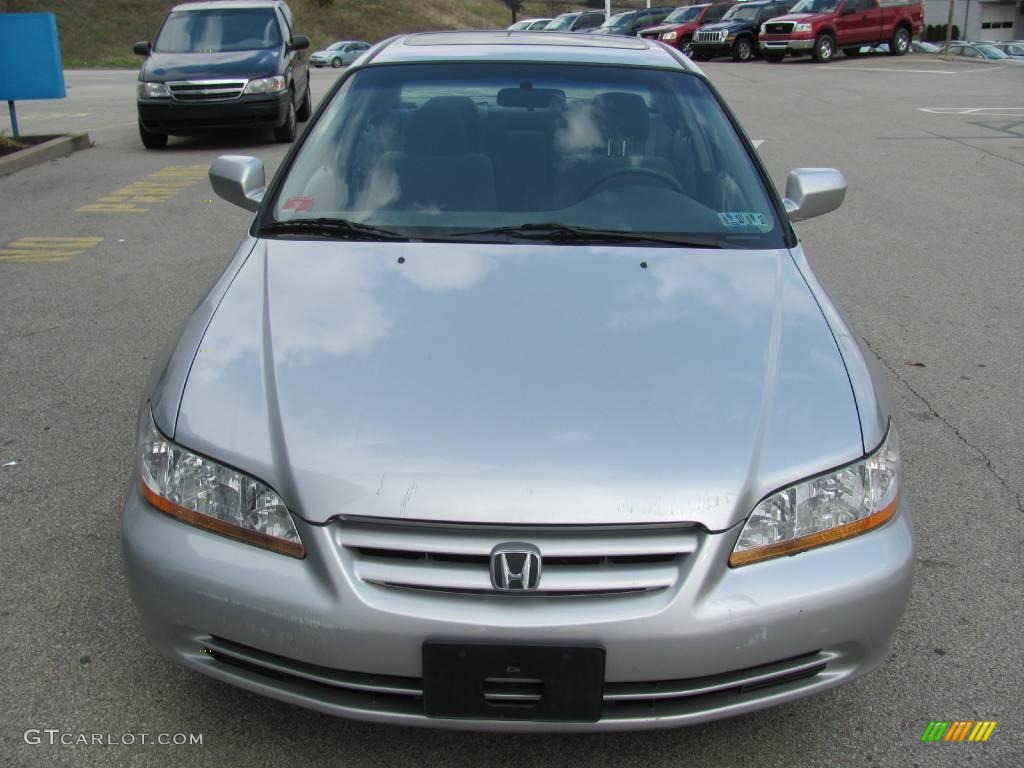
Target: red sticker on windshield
x=298 y=204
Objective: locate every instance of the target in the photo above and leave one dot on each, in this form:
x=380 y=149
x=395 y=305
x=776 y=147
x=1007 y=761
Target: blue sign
x=30 y=63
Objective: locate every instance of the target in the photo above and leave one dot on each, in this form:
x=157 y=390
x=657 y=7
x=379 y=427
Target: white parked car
x=339 y=54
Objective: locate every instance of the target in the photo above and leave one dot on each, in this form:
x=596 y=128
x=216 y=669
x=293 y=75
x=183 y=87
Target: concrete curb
x=61 y=146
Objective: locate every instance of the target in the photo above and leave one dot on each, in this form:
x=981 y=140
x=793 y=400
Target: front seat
x=622 y=121
x=440 y=167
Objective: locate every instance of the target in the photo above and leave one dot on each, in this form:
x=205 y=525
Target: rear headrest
x=621 y=115
x=445 y=125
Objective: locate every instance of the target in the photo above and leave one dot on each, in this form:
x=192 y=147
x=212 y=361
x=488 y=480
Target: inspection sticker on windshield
x=297 y=204
x=743 y=219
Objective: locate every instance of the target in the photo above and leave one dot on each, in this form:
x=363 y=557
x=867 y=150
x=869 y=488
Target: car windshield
x=990 y=52
x=433 y=150
x=741 y=13
x=679 y=15
x=1014 y=49
x=620 y=20
x=562 y=22
x=219 y=30
x=815 y=6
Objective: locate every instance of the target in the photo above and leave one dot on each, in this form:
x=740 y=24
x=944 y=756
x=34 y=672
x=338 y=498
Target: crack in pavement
x=960 y=435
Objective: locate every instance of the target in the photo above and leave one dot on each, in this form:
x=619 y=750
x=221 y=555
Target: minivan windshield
x=620 y=20
x=444 y=150
x=218 y=30
x=742 y=13
x=562 y=22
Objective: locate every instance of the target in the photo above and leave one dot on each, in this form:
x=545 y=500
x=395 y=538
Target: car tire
x=306 y=107
x=824 y=49
x=152 y=140
x=773 y=57
x=742 y=50
x=686 y=47
x=852 y=52
x=900 y=42
x=285 y=134
x=335 y=63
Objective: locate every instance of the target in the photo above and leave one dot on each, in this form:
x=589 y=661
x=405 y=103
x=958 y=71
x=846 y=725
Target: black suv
x=215 y=67
x=736 y=34
x=631 y=22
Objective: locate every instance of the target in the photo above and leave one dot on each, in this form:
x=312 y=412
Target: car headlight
x=724 y=34
x=830 y=507
x=274 y=84
x=153 y=91
x=802 y=27
x=206 y=494
x=669 y=36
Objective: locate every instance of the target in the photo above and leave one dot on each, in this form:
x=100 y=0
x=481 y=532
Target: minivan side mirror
x=239 y=179
x=813 y=192
x=141 y=48
x=298 y=43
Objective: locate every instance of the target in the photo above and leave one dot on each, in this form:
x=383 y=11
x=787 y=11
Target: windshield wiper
x=564 y=233
x=342 y=229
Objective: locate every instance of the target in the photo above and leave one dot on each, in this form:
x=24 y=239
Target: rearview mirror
x=141 y=48
x=298 y=43
x=813 y=192
x=239 y=179
x=531 y=98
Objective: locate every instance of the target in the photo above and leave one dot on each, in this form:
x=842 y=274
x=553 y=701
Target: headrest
x=445 y=125
x=621 y=115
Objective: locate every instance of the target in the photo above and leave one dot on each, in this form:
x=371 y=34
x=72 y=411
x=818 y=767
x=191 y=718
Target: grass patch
x=100 y=33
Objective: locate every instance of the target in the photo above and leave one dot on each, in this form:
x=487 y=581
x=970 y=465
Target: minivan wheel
x=335 y=63
x=306 y=107
x=741 y=50
x=285 y=134
x=900 y=42
x=824 y=49
x=152 y=140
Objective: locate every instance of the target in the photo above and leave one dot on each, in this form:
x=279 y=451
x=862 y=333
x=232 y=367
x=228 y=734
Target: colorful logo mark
x=958 y=730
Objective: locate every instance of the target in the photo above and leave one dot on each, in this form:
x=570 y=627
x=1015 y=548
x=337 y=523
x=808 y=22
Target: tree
x=515 y=6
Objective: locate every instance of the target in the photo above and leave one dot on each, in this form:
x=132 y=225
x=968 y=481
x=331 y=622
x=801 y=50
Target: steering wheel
x=664 y=178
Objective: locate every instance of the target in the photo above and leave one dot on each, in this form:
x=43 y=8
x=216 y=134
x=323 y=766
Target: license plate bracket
x=513 y=682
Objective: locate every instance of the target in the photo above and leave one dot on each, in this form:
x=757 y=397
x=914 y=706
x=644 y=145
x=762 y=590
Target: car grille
x=576 y=561
x=707 y=37
x=404 y=695
x=779 y=27
x=206 y=90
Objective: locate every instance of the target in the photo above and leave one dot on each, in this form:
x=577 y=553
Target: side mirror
x=141 y=48
x=813 y=192
x=239 y=179
x=298 y=43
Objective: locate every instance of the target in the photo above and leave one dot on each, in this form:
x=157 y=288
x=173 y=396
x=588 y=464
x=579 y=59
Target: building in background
x=980 y=19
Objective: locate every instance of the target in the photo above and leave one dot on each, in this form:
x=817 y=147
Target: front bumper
x=783 y=44
x=723 y=48
x=720 y=642
x=192 y=118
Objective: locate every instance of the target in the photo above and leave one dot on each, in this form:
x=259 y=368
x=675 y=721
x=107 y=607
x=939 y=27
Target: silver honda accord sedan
x=520 y=407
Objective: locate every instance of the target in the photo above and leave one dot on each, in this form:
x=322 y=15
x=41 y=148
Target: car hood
x=796 y=17
x=686 y=26
x=168 y=67
x=520 y=384
x=728 y=25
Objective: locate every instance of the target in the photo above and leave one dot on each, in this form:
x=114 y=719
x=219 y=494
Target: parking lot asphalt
x=925 y=257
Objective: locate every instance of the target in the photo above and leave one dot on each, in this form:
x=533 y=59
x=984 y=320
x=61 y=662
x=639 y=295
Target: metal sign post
x=14 y=118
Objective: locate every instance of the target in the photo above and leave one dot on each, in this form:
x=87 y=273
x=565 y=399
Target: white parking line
x=892 y=69
x=975 y=111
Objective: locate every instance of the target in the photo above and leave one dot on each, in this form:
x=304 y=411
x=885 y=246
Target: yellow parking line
x=158 y=187
x=32 y=249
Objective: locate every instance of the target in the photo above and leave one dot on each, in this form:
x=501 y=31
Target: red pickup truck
x=820 y=27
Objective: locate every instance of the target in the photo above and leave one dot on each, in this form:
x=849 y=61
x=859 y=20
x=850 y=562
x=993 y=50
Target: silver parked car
x=520 y=407
x=339 y=54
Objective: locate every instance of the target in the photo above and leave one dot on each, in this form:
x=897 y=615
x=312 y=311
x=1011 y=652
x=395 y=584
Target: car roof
x=204 y=5
x=509 y=45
